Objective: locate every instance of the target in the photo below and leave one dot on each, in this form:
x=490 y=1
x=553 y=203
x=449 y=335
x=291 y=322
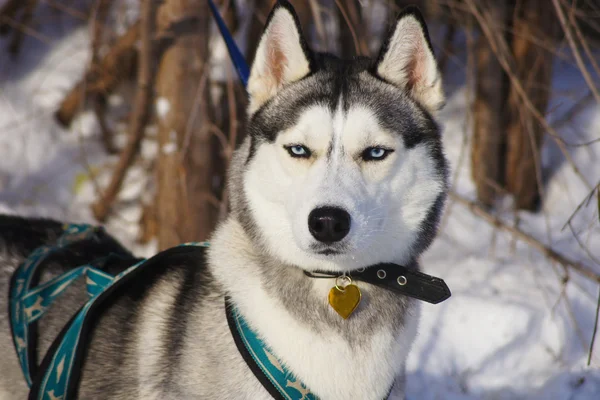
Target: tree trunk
x=489 y=135
x=533 y=19
x=186 y=207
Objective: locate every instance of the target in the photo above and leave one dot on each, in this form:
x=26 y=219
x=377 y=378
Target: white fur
x=152 y=335
x=409 y=63
x=324 y=360
x=386 y=199
x=279 y=59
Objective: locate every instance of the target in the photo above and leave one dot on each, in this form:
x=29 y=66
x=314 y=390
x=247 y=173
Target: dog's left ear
x=282 y=56
x=406 y=60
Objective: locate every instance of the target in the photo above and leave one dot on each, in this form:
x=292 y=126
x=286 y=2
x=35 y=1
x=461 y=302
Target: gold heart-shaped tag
x=344 y=301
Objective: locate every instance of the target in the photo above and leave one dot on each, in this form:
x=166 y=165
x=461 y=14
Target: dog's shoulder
x=185 y=267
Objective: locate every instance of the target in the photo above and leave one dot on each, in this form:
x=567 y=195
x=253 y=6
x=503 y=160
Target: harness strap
x=264 y=364
x=26 y=305
x=62 y=364
x=59 y=370
x=272 y=374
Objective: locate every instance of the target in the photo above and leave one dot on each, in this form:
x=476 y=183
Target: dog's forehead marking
x=337 y=132
x=335 y=146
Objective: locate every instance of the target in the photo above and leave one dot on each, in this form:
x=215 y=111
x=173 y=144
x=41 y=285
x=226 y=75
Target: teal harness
x=269 y=370
x=58 y=376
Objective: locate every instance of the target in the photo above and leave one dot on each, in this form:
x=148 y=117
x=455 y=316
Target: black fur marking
x=429 y=225
x=329 y=151
x=196 y=284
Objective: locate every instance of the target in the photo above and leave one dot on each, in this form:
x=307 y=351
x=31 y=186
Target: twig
x=583 y=41
x=66 y=9
x=589 y=360
x=569 y=35
x=584 y=202
x=499 y=47
x=447 y=46
x=101 y=78
x=533 y=242
x=318 y=20
x=583 y=246
x=357 y=47
x=106 y=132
x=98 y=23
x=7 y=13
x=140 y=114
x=184 y=26
x=575 y=109
x=26 y=17
x=25 y=29
x=148 y=224
x=470 y=84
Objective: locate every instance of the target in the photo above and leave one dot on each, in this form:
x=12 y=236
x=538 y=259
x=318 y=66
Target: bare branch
x=584 y=202
x=101 y=78
x=499 y=46
x=591 y=351
x=8 y=12
x=26 y=17
x=106 y=133
x=98 y=23
x=140 y=115
x=576 y=54
x=566 y=263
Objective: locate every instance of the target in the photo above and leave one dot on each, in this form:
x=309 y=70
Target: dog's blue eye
x=298 y=151
x=375 y=153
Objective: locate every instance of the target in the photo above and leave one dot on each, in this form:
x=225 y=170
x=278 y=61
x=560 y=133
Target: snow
x=162 y=107
x=511 y=329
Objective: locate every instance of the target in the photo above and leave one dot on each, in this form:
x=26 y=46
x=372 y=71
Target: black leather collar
x=399 y=279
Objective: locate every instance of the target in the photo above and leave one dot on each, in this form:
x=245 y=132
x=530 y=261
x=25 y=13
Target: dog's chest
x=331 y=365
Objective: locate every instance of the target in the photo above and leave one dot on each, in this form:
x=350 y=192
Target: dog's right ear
x=282 y=56
x=407 y=61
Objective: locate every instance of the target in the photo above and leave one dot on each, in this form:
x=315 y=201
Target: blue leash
x=234 y=52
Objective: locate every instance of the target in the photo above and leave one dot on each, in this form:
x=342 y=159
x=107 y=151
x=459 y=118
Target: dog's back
x=112 y=355
x=19 y=237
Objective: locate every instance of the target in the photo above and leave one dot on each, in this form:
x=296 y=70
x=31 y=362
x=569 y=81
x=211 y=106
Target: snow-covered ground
x=511 y=330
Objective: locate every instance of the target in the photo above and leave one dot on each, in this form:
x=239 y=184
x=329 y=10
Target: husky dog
x=342 y=168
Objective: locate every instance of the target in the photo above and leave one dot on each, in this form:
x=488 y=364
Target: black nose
x=329 y=224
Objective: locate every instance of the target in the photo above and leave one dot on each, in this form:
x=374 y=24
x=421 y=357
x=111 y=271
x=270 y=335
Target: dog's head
x=343 y=166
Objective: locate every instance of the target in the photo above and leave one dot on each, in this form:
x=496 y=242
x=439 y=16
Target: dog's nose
x=329 y=224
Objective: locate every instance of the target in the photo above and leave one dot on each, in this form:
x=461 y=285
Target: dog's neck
x=363 y=354
x=246 y=270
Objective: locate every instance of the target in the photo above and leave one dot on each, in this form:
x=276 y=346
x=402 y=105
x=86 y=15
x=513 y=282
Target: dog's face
x=343 y=166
